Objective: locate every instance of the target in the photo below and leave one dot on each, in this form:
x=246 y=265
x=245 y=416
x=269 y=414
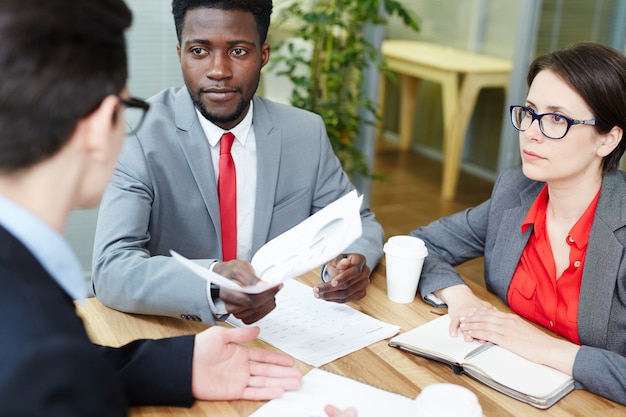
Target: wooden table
x=413 y=61
x=377 y=364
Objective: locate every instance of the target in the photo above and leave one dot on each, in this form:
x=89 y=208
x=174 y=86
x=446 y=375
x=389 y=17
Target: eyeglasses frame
x=570 y=122
x=136 y=103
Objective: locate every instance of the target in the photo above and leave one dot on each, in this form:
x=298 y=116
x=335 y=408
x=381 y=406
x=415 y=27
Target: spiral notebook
x=320 y=387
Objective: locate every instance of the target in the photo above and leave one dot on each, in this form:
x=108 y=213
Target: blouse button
x=570 y=239
x=577 y=264
x=551 y=324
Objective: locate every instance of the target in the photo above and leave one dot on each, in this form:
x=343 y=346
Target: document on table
x=321 y=387
x=316 y=331
x=309 y=244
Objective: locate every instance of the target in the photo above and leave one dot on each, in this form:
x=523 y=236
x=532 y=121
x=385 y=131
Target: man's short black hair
x=58 y=59
x=261 y=9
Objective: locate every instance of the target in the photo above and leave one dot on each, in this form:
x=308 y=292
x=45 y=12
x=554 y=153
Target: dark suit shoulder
x=45 y=349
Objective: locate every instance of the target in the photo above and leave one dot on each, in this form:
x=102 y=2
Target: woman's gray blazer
x=493 y=230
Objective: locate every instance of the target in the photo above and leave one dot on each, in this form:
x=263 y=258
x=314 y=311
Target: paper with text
x=316 y=331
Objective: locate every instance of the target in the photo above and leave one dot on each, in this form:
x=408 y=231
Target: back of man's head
x=58 y=60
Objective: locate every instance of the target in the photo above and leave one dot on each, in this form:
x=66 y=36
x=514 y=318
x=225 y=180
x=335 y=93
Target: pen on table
x=478 y=350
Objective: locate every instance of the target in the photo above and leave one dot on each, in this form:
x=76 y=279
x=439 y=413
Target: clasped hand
x=349 y=279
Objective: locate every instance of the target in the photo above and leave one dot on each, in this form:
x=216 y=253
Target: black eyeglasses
x=134 y=114
x=554 y=126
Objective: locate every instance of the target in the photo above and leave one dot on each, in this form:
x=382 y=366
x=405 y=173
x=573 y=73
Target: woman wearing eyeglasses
x=553 y=233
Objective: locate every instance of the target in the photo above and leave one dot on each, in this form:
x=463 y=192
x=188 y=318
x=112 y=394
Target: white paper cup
x=404 y=256
x=447 y=400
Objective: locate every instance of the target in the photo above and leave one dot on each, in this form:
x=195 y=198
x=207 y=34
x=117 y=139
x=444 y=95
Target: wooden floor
x=409 y=196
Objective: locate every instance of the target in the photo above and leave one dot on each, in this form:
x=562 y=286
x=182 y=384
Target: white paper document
x=320 y=388
x=316 y=331
x=307 y=245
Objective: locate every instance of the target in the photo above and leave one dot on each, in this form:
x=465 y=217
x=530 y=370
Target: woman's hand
x=519 y=336
x=461 y=301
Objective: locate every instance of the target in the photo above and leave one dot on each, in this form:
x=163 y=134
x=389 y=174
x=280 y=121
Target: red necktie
x=227 y=194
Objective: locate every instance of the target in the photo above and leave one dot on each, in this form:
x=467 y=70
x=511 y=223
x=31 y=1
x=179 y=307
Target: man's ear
x=97 y=129
x=265 y=54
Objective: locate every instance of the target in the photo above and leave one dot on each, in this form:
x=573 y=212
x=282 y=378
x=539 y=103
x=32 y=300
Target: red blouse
x=535 y=292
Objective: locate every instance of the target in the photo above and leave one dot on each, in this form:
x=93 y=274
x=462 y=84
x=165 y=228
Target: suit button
x=191 y=317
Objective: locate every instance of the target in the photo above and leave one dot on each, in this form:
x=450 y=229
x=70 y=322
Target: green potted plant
x=331 y=86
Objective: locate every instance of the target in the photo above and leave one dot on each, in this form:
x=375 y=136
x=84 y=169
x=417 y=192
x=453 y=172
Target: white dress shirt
x=244 y=156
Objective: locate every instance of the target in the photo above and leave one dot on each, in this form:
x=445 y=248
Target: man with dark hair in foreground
x=62 y=102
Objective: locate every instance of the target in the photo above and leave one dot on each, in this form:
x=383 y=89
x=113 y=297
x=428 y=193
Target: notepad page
x=520 y=374
x=321 y=387
x=434 y=337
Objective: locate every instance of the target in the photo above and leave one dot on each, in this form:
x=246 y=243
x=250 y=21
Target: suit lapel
x=197 y=152
x=268 y=145
x=510 y=242
x=602 y=262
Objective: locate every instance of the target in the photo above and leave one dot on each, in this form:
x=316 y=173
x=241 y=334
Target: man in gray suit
x=164 y=192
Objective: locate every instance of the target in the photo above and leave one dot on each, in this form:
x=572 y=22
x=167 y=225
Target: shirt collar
x=50 y=248
x=214 y=133
x=579 y=232
x=537 y=211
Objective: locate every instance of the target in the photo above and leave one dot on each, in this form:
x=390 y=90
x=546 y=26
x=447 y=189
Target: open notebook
x=530 y=382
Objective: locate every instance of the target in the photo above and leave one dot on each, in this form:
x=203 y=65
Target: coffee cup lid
x=405 y=246
x=447 y=400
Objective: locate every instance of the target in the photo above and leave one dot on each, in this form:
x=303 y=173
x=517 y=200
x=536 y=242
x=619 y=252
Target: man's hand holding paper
x=247 y=307
x=248 y=289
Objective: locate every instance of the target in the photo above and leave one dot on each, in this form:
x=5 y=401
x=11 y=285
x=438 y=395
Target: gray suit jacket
x=163 y=196
x=493 y=229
